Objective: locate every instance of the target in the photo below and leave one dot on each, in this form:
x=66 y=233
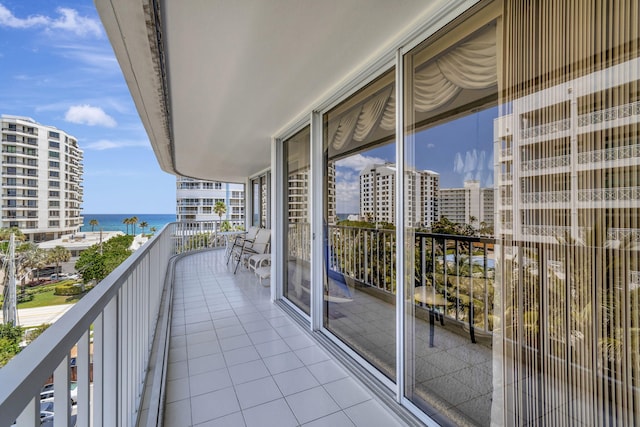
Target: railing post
x=30 y=416
x=111 y=349
x=83 y=381
x=62 y=396
x=98 y=370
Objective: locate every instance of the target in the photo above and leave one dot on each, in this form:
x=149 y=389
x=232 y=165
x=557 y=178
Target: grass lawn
x=48 y=298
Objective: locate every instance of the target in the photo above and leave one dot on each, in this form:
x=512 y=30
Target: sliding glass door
x=359 y=219
x=297 y=223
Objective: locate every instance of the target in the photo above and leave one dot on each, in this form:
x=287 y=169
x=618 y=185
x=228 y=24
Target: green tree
x=134 y=221
x=220 y=209
x=143 y=225
x=93 y=223
x=58 y=255
x=10 y=337
x=96 y=262
x=153 y=229
x=30 y=257
x=126 y=222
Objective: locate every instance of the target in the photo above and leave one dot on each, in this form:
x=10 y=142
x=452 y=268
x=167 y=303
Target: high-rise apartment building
x=195 y=200
x=41 y=179
x=377 y=195
x=471 y=204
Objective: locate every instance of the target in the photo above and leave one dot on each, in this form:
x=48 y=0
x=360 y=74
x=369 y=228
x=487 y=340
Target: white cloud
x=348 y=197
x=105 y=144
x=68 y=20
x=8 y=19
x=431 y=145
x=358 y=162
x=88 y=115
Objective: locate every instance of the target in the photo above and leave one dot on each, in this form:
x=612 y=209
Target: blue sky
x=459 y=150
x=57 y=67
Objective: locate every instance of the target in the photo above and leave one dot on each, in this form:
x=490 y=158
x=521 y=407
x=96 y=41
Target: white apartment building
x=468 y=205
x=41 y=179
x=195 y=200
x=377 y=195
x=565 y=162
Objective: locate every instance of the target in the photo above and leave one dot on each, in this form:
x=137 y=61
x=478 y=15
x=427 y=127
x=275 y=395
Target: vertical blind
x=570 y=270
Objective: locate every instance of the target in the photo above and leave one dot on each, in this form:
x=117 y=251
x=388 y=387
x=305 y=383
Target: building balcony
x=546 y=129
x=184 y=340
x=629 y=112
x=546 y=163
x=540 y=199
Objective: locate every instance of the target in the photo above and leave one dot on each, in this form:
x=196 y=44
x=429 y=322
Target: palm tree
x=93 y=223
x=127 y=221
x=153 y=229
x=220 y=209
x=58 y=255
x=143 y=225
x=134 y=221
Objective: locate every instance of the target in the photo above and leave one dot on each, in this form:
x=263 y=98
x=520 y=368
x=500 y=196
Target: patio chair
x=239 y=240
x=259 y=245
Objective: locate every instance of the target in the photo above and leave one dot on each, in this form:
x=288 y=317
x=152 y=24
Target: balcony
x=209 y=343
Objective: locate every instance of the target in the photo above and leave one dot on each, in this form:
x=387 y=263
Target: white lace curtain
x=471 y=65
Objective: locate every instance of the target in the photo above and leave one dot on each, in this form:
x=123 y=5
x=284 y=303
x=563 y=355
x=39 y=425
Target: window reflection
x=298 y=229
x=360 y=243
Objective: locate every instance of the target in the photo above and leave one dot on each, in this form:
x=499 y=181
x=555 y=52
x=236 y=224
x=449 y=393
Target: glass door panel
x=297 y=251
x=360 y=217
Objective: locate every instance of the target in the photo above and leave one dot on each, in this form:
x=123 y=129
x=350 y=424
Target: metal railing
x=546 y=129
x=113 y=329
x=613 y=113
x=460 y=269
x=367 y=255
x=609 y=194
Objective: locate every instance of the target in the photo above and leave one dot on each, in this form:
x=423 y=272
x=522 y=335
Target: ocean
x=113 y=222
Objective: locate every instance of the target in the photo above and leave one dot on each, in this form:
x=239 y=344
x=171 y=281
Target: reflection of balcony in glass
x=561 y=151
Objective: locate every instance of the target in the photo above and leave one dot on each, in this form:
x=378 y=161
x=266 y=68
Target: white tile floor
x=236 y=359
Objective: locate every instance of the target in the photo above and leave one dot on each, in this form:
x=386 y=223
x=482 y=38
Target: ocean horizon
x=113 y=222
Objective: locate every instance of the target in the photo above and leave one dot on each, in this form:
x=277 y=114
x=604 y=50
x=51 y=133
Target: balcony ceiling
x=237 y=73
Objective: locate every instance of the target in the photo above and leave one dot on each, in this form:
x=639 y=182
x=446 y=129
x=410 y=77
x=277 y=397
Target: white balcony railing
x=617 y=194
x=547 y=197
x=546 y=163
x=120 y=318
x=545 y=129
x=632 y=235
x=613 y=113
x=610 y=154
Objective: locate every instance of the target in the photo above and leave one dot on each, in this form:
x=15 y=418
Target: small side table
x=428 y=296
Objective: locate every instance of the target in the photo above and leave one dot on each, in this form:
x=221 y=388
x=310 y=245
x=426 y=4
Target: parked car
x=47 y=392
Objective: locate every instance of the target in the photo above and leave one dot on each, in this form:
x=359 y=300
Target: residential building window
x=54 y=194
x=55 y=135
x=54 y=144
x=54 y=154
x=54 y=164
x=54 y=174
x=54 y=184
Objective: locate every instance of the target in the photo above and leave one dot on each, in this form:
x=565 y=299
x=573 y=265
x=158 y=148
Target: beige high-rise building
x=41 y=179
x=471 y=204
